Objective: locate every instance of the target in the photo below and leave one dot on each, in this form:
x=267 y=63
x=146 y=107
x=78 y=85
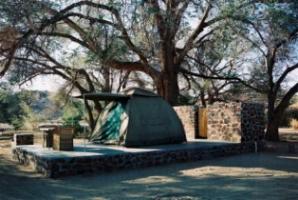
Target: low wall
x=236 y=122
x=54 y=167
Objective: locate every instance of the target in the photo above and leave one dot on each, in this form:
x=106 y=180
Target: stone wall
x=224 y=122
x=188 y=116
x=240 y=123
x=236 y=122
x=65 y=166
x=252 y=122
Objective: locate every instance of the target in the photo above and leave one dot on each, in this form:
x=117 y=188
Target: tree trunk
x=273 y=119
x=167 y=81
x=167 y=87
x=272 y=130
x=91 y=120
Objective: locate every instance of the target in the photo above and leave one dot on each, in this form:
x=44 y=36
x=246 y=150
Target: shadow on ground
x=250 y=176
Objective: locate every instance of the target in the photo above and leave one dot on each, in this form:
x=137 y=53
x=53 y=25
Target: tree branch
x=194 y=35
x=182 y=70
x=8 y=60
x=158 y=18
x=67 y=36
x=283 y=76
x=179 y=15
x=131 y=66
x=286 y=99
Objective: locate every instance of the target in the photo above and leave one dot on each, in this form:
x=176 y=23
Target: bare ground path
x=250 y=176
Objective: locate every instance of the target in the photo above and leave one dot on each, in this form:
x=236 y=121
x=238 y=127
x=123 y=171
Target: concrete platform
x=91 y=158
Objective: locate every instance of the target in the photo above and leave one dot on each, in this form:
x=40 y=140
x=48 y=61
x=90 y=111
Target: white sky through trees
x=44 y=83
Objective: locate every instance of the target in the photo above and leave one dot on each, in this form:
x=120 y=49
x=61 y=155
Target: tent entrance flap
x=109 y=124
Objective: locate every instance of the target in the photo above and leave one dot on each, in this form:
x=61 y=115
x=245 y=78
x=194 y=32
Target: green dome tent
x=136 y=118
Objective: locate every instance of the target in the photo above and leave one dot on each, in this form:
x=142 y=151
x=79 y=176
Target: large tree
x=272 y=30
x=153 y=36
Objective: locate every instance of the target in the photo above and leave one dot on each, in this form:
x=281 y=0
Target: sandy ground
x=249 y=176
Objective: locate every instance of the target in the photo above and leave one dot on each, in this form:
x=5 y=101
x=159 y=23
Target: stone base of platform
x=55 y=164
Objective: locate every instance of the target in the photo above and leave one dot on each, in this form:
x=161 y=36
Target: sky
x=42 y=83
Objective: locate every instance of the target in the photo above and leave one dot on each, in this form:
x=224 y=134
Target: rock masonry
x=234 y=122
x=242 y=124
x=58 y=167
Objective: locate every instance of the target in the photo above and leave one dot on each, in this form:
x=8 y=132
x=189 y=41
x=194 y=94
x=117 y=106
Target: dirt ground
x=249 y=176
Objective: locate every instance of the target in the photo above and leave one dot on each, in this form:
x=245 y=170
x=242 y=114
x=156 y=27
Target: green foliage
x=11 y=111
x=25 y=109
x=25 y=9
x=30 y=119
x=186 y=100
x=73 y=113
x=259 y=78
x=16 y=122
x=115 y=49
x=283 y=19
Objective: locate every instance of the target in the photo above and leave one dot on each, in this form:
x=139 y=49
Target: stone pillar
x=189 y=118
x=252 y=122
